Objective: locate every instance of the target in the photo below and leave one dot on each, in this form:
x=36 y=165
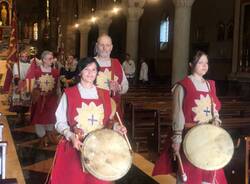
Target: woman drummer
x=192 y=105
x=83 y=108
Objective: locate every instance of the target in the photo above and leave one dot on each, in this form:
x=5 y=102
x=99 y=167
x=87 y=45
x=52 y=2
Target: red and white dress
x=45 y=83
x=195 y=107
x=112 y=71
x=88 y=114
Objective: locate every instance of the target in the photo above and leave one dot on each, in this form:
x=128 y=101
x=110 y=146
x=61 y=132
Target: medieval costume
x=43 y=83
x=112 y=70
x=88 y=109
x=192 y=105
x=20 y=98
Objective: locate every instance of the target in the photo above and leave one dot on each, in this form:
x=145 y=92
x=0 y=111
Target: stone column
x=103 y=21
x=236 y=37
x=181 y=38
x=84 y=31
x=70 y=29
x=135 y=11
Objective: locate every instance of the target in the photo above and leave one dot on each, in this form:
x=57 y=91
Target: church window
x=164 y=32
x=35 y=31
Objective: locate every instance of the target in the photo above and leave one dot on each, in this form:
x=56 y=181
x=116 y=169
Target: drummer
x=192 y=105
x=83 y=108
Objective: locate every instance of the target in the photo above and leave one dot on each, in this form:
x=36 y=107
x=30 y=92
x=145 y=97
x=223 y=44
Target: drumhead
x=208 y=147
x=106 y=155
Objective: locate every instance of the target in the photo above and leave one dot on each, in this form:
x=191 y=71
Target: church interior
x=166 y=34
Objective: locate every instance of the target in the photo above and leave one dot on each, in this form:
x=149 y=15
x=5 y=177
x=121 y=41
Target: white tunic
x=129 y=68
x=23 y=69
x=144 y=72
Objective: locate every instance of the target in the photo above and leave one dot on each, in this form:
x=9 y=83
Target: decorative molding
x=134 y=13
x=183 y=3
x=136 y=3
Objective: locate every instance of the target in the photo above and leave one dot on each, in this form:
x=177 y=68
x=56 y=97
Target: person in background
x=143 y=72
x=111 y=76
x=20 y=98
x=68 y=73
x=129 y=69
x=192 y=106
x=77 y=104
x=43 y=85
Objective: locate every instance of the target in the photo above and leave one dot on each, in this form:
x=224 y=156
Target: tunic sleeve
x=178 y=115
x=61 y=125
x=15 y=70
x=124 y=83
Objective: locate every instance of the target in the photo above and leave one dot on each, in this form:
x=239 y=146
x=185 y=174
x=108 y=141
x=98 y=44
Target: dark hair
x=196 y=58
x=83 y=63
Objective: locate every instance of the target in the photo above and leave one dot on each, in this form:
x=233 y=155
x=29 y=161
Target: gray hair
x=45 y=53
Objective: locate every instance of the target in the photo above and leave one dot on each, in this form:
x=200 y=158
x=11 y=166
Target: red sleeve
x=31 y=71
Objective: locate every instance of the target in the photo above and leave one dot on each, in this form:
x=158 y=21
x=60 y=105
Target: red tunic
x=44 y=107
x=194 y=174
x=67 y=166
x=116 y=74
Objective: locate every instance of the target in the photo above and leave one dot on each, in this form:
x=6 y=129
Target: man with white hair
x=111 y=75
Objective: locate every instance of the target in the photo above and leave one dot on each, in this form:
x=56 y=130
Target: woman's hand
x=120 y=129
x=176 y=147
x=77 y=144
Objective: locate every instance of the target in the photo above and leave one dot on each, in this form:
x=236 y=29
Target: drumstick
x=125 y=135
x=183 y=174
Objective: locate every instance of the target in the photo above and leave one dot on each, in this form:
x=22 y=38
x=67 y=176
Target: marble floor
x=36 y=161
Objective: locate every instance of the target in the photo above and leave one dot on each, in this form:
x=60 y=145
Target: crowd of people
x=62 y=96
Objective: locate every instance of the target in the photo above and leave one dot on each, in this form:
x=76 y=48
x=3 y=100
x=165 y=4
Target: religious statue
x=3 y=15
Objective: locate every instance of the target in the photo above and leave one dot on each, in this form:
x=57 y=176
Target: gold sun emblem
x=103 y=79
x=46 y=82
x=203 y=109
x=90 y=117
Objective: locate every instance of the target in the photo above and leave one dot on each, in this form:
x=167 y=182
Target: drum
x=208 y=147
x=105 y=154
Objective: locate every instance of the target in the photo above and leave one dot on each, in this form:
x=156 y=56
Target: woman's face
x=48 y=60
x=70 y=60
x=89 y=73
x=201 y=67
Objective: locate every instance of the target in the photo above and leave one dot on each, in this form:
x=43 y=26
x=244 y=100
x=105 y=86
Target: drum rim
x=188 y=157
x=91 y=171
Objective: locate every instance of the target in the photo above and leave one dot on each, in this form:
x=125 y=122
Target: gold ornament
x=46 y=82
x=90 y=117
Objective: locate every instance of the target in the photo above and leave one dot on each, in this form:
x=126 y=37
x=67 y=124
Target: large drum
x=208 y=147
x=106 y=155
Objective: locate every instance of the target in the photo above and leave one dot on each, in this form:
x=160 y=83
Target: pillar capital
x=103 y=21
x=135 y=13
x=183 y=3
x=136 y=3
x=85 y=28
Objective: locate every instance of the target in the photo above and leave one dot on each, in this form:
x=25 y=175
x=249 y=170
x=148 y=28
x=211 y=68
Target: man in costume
x=20 y=98
x=111 y=75
x=43 y=85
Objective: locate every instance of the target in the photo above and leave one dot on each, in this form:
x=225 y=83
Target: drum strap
x=101 y=95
